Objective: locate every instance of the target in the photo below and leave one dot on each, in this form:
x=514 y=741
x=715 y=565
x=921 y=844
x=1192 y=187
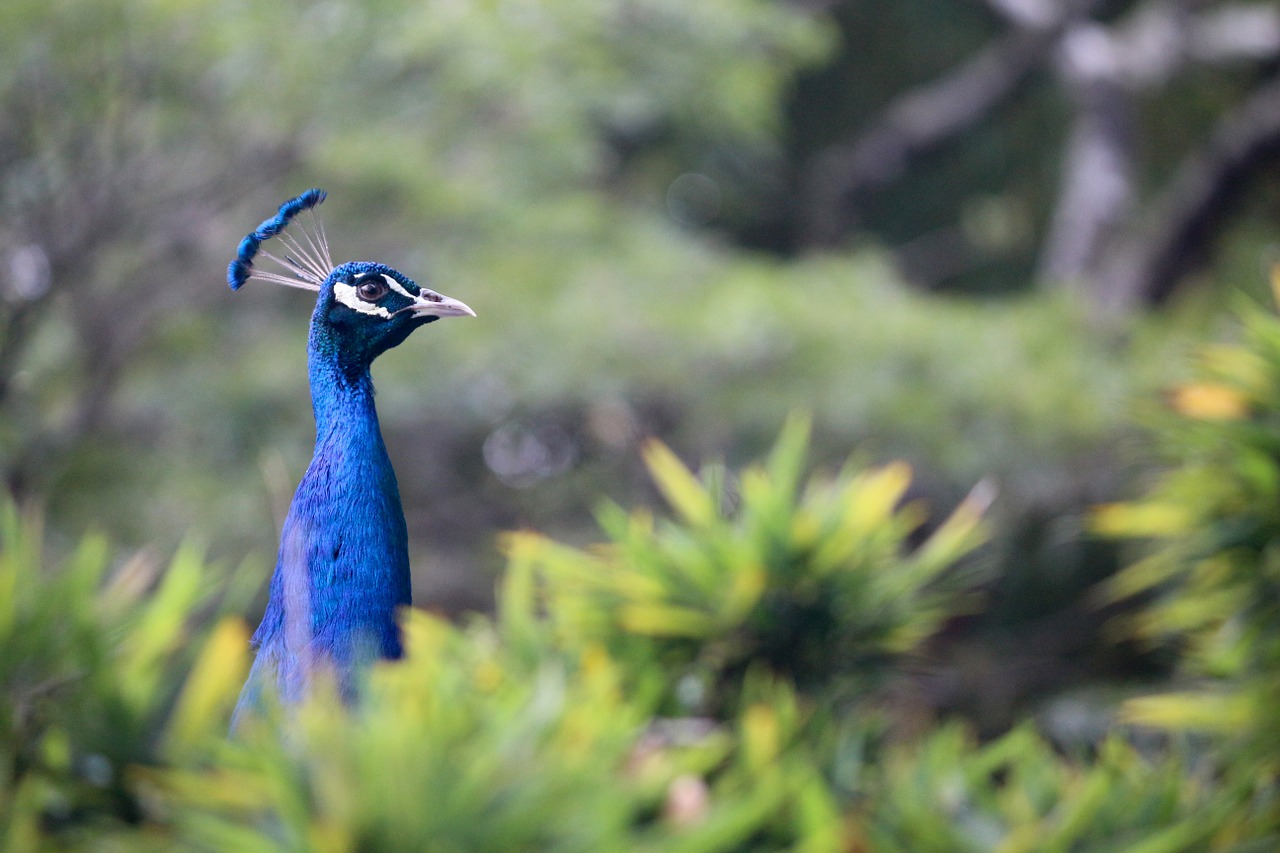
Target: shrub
x=93 y=659
x=1211 y=568
x=567 y=722
x=814 y=582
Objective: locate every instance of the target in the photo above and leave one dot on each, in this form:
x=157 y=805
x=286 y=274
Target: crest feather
x=305 y=266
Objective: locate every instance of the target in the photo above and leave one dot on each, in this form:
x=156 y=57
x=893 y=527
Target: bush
x=92 y=665
x=813 y=582
x=1210 y=571
x=702 y=682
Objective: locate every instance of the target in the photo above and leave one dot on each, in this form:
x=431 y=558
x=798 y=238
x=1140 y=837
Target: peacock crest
x=307 y=265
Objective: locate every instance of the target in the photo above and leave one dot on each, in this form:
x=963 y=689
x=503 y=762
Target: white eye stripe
x=398 y=287
x=347 y=295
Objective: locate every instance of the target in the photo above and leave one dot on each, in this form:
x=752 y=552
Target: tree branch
x=1191 y=212
x=920 y=121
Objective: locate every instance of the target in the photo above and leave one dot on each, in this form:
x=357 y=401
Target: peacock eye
x=372 y=289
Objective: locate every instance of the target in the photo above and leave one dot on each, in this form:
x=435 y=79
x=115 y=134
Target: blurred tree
x=109 y=189
x=1169 y=118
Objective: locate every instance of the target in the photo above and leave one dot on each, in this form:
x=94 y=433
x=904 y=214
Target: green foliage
x=1212 y=565
x=455 y=749
x=465 y=746
x=553 y=726
x=812 y=581
x=93 y=660
x=504 y=735
x=1017 y=794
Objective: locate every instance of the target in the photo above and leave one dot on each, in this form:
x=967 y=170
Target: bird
x=342 y=571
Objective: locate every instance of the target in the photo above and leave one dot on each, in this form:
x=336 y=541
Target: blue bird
x=343 y=566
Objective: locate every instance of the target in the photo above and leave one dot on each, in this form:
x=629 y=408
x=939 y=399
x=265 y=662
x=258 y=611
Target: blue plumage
x=343 y=567
x=239 y=270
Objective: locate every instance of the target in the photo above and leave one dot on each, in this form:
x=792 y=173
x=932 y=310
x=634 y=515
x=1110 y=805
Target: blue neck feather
x=343 y=567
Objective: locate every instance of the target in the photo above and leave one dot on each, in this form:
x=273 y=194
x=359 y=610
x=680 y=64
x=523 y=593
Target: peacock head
x=362 y=308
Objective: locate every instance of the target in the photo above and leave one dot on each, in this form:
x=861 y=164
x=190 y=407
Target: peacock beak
x=432 y=304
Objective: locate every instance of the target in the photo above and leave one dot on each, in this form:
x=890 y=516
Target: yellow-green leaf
x=1139 y=519
x=663 y=620
x=1199 y=711
x=682 y=490
x=875 y=495
x=1209 y=401
x=214 y=682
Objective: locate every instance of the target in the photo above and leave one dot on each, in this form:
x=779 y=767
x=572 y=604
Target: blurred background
x=979 y=235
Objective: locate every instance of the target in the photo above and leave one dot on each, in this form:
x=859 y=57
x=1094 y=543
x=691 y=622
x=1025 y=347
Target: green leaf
x=682 y=490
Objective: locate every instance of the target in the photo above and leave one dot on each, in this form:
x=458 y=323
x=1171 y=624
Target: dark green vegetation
x=645 y=204
x=709 y=680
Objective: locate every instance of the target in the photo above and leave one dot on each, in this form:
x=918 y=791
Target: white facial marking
x=346 y=294
x=398 y=287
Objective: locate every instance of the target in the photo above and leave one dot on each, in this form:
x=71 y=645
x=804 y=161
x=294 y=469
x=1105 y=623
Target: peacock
x=343 y=565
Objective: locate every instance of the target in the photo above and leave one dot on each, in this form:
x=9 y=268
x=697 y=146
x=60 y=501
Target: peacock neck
x=351 y=473
x=341 y=390
x=342 y=402
x=343 y=568
x=347 y=511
